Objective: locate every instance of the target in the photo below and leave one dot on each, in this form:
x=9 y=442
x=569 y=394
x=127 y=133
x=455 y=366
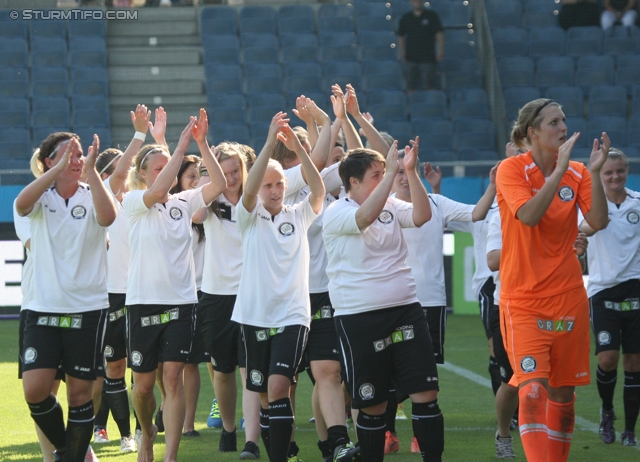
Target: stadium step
x=147 y=56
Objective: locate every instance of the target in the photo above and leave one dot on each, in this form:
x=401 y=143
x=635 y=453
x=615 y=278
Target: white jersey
x=295 y=182
x=274 y=287
x=23 y=230
x=69 y=252
x=161 y=266
x=479 y=231
x=425 y=256
x=614 y=252
x=494 y=242
x=367 y=268
x=223 y=250
x=118 y=253
x=198 y=248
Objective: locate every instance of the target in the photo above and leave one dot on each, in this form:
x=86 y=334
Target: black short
x=323 y=339
x=159 y=331
x=382 y=346
x=198 y=353
x=499 y=351
x=23 y=323
x=615 y=317
x=221 y=334
x=486 y=305
x=72 y=341
x=115 y=341
x=272 y=351
x=437 y=321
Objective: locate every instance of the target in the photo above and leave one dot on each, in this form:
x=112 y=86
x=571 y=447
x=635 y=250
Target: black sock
x=428 y=428
x=370 y=430
x=280 y=429
x=47 y=415
x=103 y=413
x=390 y=413
x=264 y=429
x=293 y=450
x=631 y=398
x=337 y=436
x=79 y=431
x=606 y=387
x=118 y=398
x=494 y=373
x=325 y=449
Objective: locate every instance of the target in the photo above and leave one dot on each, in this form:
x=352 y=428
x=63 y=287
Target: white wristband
x=140 y=136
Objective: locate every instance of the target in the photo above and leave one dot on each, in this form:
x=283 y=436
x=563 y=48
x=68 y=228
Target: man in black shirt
x=421 y=43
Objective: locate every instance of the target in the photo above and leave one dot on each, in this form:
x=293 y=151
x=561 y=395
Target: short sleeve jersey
x=420 y=35
x=367 y=268
x=118 y=253
x=23 y=231
x=425 y=248
x=69 y=252
x=198 y=248
x=494 y=242
x=614 y=252
x=161 y=266
x=223 y=250
x=274 y=286
x=540 y=261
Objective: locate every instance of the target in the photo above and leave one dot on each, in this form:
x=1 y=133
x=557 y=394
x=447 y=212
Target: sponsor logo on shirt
x=287 y=229
x=633 y=217
x=114 y=316
x=256 y=378
x=385 y=217
x=400 y=335
x=559 y=325
x=158 y=319
x=65 y=322
x=528 y=364
x=30 y=355
x=81 y=369
x=630 y=304
x=136 y=358
x=323 y=313
x=78 y=212
x=566 y=194
x=264 y=334
x=367 y=391
x=604 y=337
x=175 y=213
x=108 y=351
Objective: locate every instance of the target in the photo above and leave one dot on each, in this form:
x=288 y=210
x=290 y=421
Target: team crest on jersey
x=633 y=217
x=257 y=378
x=367 y=391
x=30 y=355
x=565 y=194
x=604 y=338
x=385 y=217
x=528 y=364
x=78 y=212
x=108 y=352
x=175 y=213
x=136 y=358
x=286 y=229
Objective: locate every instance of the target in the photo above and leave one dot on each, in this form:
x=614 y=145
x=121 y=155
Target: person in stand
x=68 y=308
x=161 y=289
x=614 y=291
x=618 y=11
x=543 y=303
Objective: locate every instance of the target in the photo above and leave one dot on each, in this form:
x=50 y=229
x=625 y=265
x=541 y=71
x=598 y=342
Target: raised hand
x=493 y=173
x=140 y=118
x=564 y=153
x=65 y=160
x=411 y=154
x=302 y=110
x=92 y=155
x=511 y=149
x=352 y=101
x=277 y=123
x=319 y=116
x=581 y=244
x=159 y=127
x=599 y=153
x=338 y=101
x=433 y=176
x=392 y=159
x=289 y=138
x=185 y=136
x=201 y=127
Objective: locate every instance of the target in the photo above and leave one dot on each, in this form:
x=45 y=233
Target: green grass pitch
x=470 y=422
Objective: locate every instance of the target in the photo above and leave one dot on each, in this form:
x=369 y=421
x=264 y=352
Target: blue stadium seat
x=380 y=10
x=319 y=97
x=388 y=111
x=49 y=58
x=14 y=118
x=628 y=71
x=264 y=84
x=50 y=103
x=469 y=109
x=90 y=118
x=86 y=135
x=259 y=40
x=14 y=52
x=89 y=73
x=39 y=74
x=49 y=44
x=218 y=26
x=86 y=28
x=258 y=26
x=460 y=50
x=555 y=71
x=339 y=53
x=516 y=97
x=595 y=70
x=434 y=140
x=383 y=82
x=471 y=125
x=453 y=14
x=48 y=28
x=373 y=23
x=469 y=95
x=586 y=40
x=80 y=43
x=15 y=135
x=616 y=128
x=223 y=71
x=258 y=11
x=228 y=115
x=261 y=55
x=379 y=52
x=298 y=40
x=504 y=13
x=14 y=74
x=335 y=11
x=386 y=97
x=385 y=38
x=220 y=41
x=14 y=88
x=13 y=29
x=21 y=152
x=429 y=127
x=400 y=130
x=219 y=12
x=299 y=54
x=294 y=69
x=303 y=84
x=50 y=88
x=225 y=100
x=51 y=118
x=341 y=67
x=335 y=24
x=266 y=99
x=343 y=79
x=634 y=131
x=89 y=58
x=231 y=85
x=429 y=104
x=547 y=41
x=474 y=140
x=516 y=71
x=295 y=25
x=338 y=39
x=263 y=114
x=570 y=97
x=607 y=100
x=90 y=88
x=578 y=124
x=9 y=103
x=462 y=73
x=296 y=11
x=509 y=41
x=541 y=13
x=263 y=70
x=620 y=45
x=436 y=157
x=372 y=66
x=230 y=132
x=221 y=56
x=98 y=103
x=428 y=96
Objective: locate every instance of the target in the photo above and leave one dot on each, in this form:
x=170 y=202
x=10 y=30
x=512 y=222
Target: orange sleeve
x=513 y=185
x=584 y=190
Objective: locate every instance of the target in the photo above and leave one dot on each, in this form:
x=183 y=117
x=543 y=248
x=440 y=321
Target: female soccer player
x=273 y=306
x=543 y=303
x=614 y=288
x=161 y=290
x=68 y=304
